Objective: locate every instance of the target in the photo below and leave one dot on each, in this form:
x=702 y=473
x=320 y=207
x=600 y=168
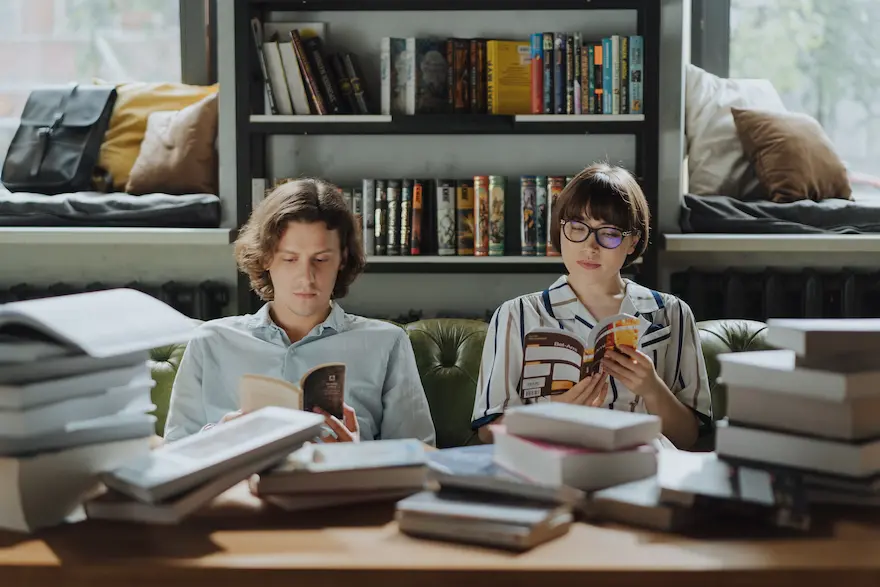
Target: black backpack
x=55 y=149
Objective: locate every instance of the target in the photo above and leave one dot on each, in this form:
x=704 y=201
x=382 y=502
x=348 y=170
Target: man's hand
x=589 y=391
x=345 y=432
x=634 y=369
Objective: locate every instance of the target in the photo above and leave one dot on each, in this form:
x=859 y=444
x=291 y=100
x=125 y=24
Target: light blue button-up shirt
x=382 y=382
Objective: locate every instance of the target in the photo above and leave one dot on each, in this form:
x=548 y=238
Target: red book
x=537 y=73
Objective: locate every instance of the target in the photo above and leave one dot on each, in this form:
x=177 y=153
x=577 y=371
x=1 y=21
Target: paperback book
x=322 y=386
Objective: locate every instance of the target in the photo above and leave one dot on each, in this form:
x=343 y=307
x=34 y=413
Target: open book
x=322 y=386
x=99 y=324
x=555 y=359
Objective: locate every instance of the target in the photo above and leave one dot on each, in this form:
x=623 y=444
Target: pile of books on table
x=810 y=408
x=74 y=396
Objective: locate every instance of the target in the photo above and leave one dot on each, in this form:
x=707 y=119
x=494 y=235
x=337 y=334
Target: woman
x=600 y=223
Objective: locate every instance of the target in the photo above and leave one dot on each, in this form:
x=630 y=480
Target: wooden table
x=241 y=541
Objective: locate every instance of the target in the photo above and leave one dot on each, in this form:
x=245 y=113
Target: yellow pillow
x=135 y=101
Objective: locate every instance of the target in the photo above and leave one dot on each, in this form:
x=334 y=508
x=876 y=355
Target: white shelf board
x=579 y=118
x=51 y=235
x=321 y=119
x=772 y=243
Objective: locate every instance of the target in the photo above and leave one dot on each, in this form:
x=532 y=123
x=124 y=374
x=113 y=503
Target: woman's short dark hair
x=608 y=193
x=299 y=200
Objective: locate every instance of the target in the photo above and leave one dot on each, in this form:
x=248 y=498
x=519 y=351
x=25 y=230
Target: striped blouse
x=671 y=340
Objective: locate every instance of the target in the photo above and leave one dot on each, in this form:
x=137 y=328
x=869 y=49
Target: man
x=301 y=251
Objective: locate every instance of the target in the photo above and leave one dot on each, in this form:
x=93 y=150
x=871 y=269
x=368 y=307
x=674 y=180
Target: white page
x=103 y=323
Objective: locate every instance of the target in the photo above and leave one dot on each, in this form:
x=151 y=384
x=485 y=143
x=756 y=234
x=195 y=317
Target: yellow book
x=508 y=77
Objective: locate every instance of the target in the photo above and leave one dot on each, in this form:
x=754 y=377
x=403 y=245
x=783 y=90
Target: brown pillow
x=177 y=154
x=792 y=156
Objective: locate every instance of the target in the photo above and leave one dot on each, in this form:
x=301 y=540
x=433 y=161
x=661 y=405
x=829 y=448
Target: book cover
x=308 y=72
x=459 y=98
x=356 y=79
x=555 y=360
x=536 y=72
x=508 y=81
x=428 y=62
x=577 y=84
x=598 y=77
x=636 y=72
x=542 y=215
x=368 y=208
x=322 y=386
x=381 y=222
x=406 y=208
x=528 y=209
x=477 y=90
x=496 y=215
x=418 y=194
x=555 y=185
x=346 y=90
x=560 y=83
x=569 y=74
x=327 y=83
x=465 y=216
x=623 y=59
x=481 y=215
x=393 y=196
x=548 y=65
x=394 y=73
x=445 y=209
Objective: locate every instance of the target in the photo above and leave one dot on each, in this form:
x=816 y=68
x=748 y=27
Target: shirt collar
x=565 y=304
x=335 y=321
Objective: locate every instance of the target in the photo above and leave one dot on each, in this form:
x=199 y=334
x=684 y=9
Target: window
x=46 y=42
x=823 y=57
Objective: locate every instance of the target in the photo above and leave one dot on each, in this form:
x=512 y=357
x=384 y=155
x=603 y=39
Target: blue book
x=636 y=73
x=607 y=77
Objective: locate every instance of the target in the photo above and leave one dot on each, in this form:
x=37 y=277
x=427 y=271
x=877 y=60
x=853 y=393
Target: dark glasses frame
x=590 y=230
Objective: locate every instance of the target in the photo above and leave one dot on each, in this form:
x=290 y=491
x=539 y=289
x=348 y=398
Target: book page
x=259 y=391
x=324 y=387
x=552 y=362
x=611 y=333
x=102 y=323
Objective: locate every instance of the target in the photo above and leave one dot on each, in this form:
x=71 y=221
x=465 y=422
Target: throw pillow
x=717 y=164
x=135 y=101
x=177 y=154
x=792 y=156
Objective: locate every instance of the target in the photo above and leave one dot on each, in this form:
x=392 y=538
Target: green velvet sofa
x=448 y=353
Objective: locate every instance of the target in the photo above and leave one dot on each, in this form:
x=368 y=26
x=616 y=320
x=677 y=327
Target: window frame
x=710 y=36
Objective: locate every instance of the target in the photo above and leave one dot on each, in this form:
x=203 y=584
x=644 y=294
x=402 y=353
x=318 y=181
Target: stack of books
x=173 y=481
x=528 y=487
x=333 y=474
x=75 y=396
x=813 y=406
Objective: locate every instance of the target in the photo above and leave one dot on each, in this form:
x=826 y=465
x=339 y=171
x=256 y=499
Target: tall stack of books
x=74 y=396
x=813 y=406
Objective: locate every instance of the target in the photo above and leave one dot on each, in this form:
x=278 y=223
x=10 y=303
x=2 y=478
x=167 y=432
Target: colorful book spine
x=624 y=74
x=577 y=84
x=464 y=209
x=615 y=74
x=559 y=83
x=417 y=217
x=368 y=191
x=555 y=185
x=636 y=73
x=599 y=77
x=381 y=217
x=536 y=69
x=393 y=193
x=460 y=99
x=528 y=229
x=357 y=202
x=406 y=195
x=445 y=198
x=477 y=90
x=549 y=66
x=607 y=79
x=541 y=214
x=496 y=215
x=569 y=74
x=481 y=215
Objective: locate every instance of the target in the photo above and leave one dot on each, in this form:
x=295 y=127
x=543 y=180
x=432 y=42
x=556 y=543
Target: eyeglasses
x=608 y=237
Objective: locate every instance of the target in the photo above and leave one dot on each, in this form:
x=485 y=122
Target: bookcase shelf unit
x=242 y=100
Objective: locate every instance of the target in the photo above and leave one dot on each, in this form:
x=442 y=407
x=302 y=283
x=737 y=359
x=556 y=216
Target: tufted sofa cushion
x=448 y=355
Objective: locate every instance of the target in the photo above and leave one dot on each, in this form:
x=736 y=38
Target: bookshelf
x=316 y=145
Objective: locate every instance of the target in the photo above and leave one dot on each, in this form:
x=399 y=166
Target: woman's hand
x=589 y=391
x=634 y=369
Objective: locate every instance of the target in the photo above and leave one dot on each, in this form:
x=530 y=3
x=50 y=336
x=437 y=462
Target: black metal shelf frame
x=250 y=160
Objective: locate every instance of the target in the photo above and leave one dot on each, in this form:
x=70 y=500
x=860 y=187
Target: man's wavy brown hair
x=606 y=192
x=301 y=200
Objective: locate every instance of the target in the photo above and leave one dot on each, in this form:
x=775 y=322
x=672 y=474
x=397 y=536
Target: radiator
x=779 y=293
x=204 y=301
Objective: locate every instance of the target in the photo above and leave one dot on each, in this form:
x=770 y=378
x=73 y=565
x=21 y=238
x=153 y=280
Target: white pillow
x=716 y=162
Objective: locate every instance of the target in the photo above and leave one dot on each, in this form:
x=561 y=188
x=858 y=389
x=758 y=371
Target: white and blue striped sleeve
x=691 y=383
x=500 y=366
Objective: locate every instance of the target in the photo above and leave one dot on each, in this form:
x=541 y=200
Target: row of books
x=462 y=217
x=300 y=76
x=571 y=75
